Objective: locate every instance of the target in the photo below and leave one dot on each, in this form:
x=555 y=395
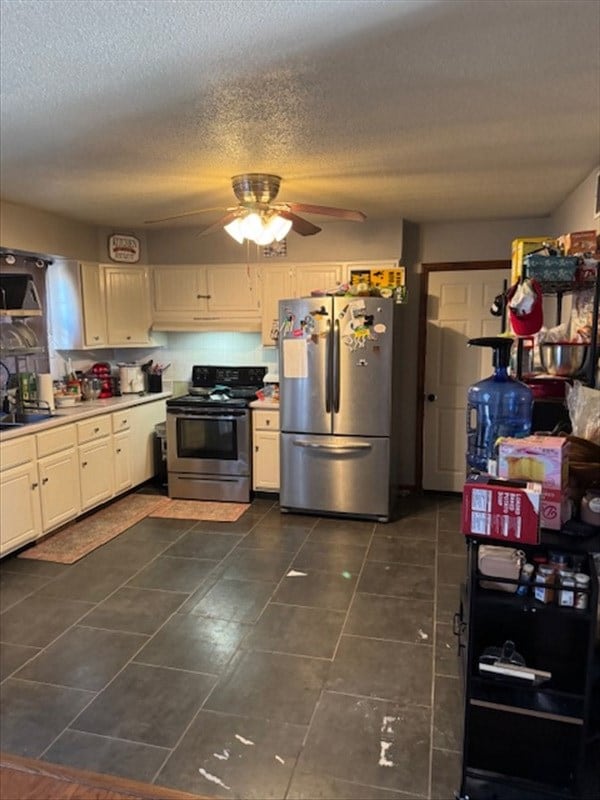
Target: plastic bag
x=584 y=411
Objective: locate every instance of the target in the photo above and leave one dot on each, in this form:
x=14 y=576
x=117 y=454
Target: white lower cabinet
x=143 y=419
x=58 y=471
x=265 y=459
x=59 y=488
x=49 y=478
x=122 y=461
x=96 y=472
x=20 y=509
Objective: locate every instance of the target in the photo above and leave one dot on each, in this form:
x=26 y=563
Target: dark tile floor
x=185 y=654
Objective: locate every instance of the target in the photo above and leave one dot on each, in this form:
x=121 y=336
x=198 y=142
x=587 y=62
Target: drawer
x=92 y=429
x=265 y=420
x=121 y=420
x=17 y=451
x=57 y=439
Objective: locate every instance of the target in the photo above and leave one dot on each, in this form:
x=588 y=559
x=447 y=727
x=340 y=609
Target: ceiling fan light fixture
x=234 y=229
x=262 y=229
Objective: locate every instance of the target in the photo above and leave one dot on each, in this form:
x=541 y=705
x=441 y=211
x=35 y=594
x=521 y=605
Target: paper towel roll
x=45 y=389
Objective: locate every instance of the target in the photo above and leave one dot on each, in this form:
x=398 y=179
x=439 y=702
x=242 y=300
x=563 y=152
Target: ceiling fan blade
x=299 y=225
x=328 y=211
x=220 y=223
x=185 y=214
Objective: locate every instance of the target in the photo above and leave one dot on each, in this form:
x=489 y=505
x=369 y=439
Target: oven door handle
x=230 y=417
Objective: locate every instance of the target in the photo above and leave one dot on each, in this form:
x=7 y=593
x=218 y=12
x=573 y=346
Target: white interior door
x=458 y=309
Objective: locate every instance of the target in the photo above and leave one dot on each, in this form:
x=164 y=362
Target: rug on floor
x=78 y=539
x=200 y=510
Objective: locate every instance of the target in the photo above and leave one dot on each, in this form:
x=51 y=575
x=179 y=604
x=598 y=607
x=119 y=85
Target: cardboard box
x=522 y=248
x=578 y=242
x=499 y=509
x=556 y=509
x=544 y=459
x=382 y=278
x=535 y=458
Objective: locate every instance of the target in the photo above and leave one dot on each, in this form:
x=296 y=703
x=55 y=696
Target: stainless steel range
x=209 y=453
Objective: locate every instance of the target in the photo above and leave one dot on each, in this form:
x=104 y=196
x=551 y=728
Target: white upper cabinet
x=93 y=298
x=97 y=305
x=127 y=305
x=207 y=297
x=279 y=282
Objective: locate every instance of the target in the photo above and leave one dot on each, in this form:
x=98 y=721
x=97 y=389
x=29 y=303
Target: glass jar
x=590 y=507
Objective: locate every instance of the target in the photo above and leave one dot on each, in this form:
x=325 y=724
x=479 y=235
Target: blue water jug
x=497 y=406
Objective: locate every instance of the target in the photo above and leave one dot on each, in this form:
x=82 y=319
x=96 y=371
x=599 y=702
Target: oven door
x=208 y=441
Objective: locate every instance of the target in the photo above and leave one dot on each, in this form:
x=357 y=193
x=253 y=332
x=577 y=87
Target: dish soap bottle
x=497 y=406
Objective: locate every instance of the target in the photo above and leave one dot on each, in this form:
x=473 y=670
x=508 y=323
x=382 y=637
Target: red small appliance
x=102 y=371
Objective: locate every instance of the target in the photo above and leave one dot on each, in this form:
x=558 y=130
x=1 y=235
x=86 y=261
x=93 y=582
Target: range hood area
x=18 y=295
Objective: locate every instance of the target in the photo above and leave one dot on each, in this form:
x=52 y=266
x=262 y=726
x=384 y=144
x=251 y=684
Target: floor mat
x=78 y=539
x=201 y=510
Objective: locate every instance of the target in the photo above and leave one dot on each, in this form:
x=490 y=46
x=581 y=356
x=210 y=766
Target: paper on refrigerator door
x=295 y=358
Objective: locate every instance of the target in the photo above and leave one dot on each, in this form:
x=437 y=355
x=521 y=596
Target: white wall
x=34 y=231
x=485 y=240
x=338 y=241
x=576 y=212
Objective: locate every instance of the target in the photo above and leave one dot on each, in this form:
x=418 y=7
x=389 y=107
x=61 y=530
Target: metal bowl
x=563 y=358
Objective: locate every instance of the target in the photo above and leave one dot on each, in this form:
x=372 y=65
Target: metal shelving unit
x=525 y=741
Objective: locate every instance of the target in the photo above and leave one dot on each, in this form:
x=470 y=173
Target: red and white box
x=499 y=509
x=544 y=459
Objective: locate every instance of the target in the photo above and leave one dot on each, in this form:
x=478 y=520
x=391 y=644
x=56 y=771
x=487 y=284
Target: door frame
x=426 y=270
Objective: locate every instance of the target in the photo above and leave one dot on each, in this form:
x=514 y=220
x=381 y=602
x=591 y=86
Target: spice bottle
x=544 y=584
x=582 y=585
x=566 y=596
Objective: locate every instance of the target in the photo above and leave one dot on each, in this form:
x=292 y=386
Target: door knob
x=432 y=397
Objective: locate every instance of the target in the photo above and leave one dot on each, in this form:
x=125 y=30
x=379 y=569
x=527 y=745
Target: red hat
x=530 y=323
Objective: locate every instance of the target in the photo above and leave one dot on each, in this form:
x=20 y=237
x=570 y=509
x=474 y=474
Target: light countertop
x=266 y=405
x=83 y=410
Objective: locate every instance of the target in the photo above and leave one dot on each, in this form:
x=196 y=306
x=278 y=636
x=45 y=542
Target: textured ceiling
x=116 y=111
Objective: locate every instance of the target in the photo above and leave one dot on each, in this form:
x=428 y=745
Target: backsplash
x=181 y=351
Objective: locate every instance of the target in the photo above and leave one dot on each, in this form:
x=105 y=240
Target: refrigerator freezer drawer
x=335 y=474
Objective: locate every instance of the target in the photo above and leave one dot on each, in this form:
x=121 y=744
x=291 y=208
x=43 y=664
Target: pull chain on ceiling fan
x=258 y=218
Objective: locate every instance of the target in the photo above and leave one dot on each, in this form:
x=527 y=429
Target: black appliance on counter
x=209 y=452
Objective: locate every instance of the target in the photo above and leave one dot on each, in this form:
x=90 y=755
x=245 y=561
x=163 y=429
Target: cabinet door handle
x=44 y=481
x=256 y=448
x=128 y=338
x=84 y=463
x=96 y=338
x=118 y=449
x=268 y=422
x=34 y=486
x=203 y=296
x=96 y=430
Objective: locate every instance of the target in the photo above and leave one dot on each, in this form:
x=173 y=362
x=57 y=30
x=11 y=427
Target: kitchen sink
x=18 y=419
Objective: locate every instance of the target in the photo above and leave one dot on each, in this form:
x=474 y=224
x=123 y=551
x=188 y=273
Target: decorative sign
x=124 y=247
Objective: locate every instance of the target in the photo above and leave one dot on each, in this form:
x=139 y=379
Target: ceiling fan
x=258 y=218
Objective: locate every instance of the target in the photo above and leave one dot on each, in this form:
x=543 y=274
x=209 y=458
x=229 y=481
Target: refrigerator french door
x=337 y=386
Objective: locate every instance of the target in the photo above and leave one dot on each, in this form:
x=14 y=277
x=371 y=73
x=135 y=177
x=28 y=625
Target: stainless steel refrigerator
x=340 y=376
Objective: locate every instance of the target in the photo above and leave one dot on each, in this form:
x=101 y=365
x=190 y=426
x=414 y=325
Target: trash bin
x=160 y=453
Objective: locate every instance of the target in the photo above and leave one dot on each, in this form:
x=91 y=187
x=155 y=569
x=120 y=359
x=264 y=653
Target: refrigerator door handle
x=328 y=371
x=338 y=448
x=336 y=367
